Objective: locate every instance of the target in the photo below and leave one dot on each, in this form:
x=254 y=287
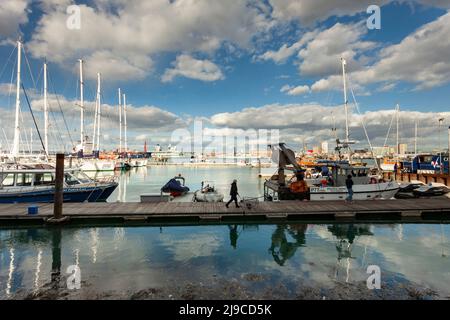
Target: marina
x=195 y=150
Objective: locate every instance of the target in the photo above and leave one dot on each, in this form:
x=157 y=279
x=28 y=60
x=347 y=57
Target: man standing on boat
x=349 y=184
x=233 y=193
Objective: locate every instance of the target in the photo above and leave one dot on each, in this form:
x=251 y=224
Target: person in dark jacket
x=233 y=193
x=349 y=184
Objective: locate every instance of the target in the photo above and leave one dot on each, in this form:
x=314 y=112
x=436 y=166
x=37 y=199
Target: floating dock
x=437 y=209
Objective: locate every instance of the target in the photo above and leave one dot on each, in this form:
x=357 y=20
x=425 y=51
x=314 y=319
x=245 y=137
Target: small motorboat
x=431 y=190
x=176 y=187
x=208 y=193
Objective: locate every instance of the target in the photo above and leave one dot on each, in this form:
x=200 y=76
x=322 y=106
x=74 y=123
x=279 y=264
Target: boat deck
x=437 y=209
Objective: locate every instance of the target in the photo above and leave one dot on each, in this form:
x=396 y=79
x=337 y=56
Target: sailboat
x=94 y=163
x=23 y=181
x=366 y=186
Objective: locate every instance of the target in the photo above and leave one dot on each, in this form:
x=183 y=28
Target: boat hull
x=89 y=194
x=385 y=190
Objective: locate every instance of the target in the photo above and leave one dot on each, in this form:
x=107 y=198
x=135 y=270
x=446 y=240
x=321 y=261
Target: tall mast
x=347 y=135
x=415 y=138
x=81 y=105
x=120 y=121
x=125 y=120
x=98 y=111
x=45 y=111
x=397 y=139
x=15 y=150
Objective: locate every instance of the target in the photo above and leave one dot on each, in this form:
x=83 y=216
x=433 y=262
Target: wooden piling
x=59 y=187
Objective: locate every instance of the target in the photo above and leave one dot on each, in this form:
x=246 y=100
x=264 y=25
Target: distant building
x=317 y=150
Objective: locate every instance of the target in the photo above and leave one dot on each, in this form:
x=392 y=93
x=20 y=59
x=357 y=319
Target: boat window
x=43 y=179
x=24 y=179
x=70 y=179
x=81 y=177
x=7 y=180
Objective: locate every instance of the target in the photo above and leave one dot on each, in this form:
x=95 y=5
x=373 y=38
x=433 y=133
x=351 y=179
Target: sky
x=234 y=65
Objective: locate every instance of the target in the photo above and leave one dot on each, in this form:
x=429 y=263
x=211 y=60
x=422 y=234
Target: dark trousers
x=233 y=198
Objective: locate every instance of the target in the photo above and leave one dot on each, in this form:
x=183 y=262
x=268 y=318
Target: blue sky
x=228 y=63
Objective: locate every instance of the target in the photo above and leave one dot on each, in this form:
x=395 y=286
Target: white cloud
x=319 y=56
x=421 y=59
x=311 y=11
x=286 y=51
x=313 y=123
x=189 y=67
x=295 y=91
x=129 y=34
x=13 y=13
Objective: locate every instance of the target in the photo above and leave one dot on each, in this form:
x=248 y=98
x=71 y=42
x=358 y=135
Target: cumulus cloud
x=189 y=67
x=13 y=13
x=314 y=122
x=411 y=60
x=121 y=37
x=310 y=11
x=295 y=91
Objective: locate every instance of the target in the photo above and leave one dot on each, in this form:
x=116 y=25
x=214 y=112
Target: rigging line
x=7 y=61
x=34 y=120
x=390 y=127
x=29 y=67
x=363 y=125
x=7 y=142
x=60 y=108
x=57 y=137
x=24 y=133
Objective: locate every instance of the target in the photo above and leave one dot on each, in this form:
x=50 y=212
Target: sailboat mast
x=16 y=144
x=98 y=110
x=347 y=135
x=415 y=138
x=81 y=105
x=45 y=111
x=125 y=120
x=120 y=121
x=397 y=139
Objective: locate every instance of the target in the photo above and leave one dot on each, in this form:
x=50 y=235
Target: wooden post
x=59 y=187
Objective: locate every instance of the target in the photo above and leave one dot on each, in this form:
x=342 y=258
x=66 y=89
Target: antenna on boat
x=16 y=143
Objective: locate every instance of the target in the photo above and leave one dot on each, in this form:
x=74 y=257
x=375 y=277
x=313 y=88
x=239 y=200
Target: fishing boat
x=366 y=186
x=38 y=186
x=208 y=193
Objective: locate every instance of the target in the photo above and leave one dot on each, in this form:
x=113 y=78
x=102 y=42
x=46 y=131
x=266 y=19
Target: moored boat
x=38 y=186
x=208 y=193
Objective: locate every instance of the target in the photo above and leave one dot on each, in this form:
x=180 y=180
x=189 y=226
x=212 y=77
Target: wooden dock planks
x=276 y=210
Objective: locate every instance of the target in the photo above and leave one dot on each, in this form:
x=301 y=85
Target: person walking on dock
x=233 y=193
x=349 y=184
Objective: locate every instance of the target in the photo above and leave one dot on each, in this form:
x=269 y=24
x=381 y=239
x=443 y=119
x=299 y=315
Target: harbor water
x=266 y=261
x=146 y=180
x=286 y=261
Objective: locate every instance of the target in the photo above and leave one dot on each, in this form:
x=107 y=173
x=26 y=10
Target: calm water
x=320 y=256
x=139 y=181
